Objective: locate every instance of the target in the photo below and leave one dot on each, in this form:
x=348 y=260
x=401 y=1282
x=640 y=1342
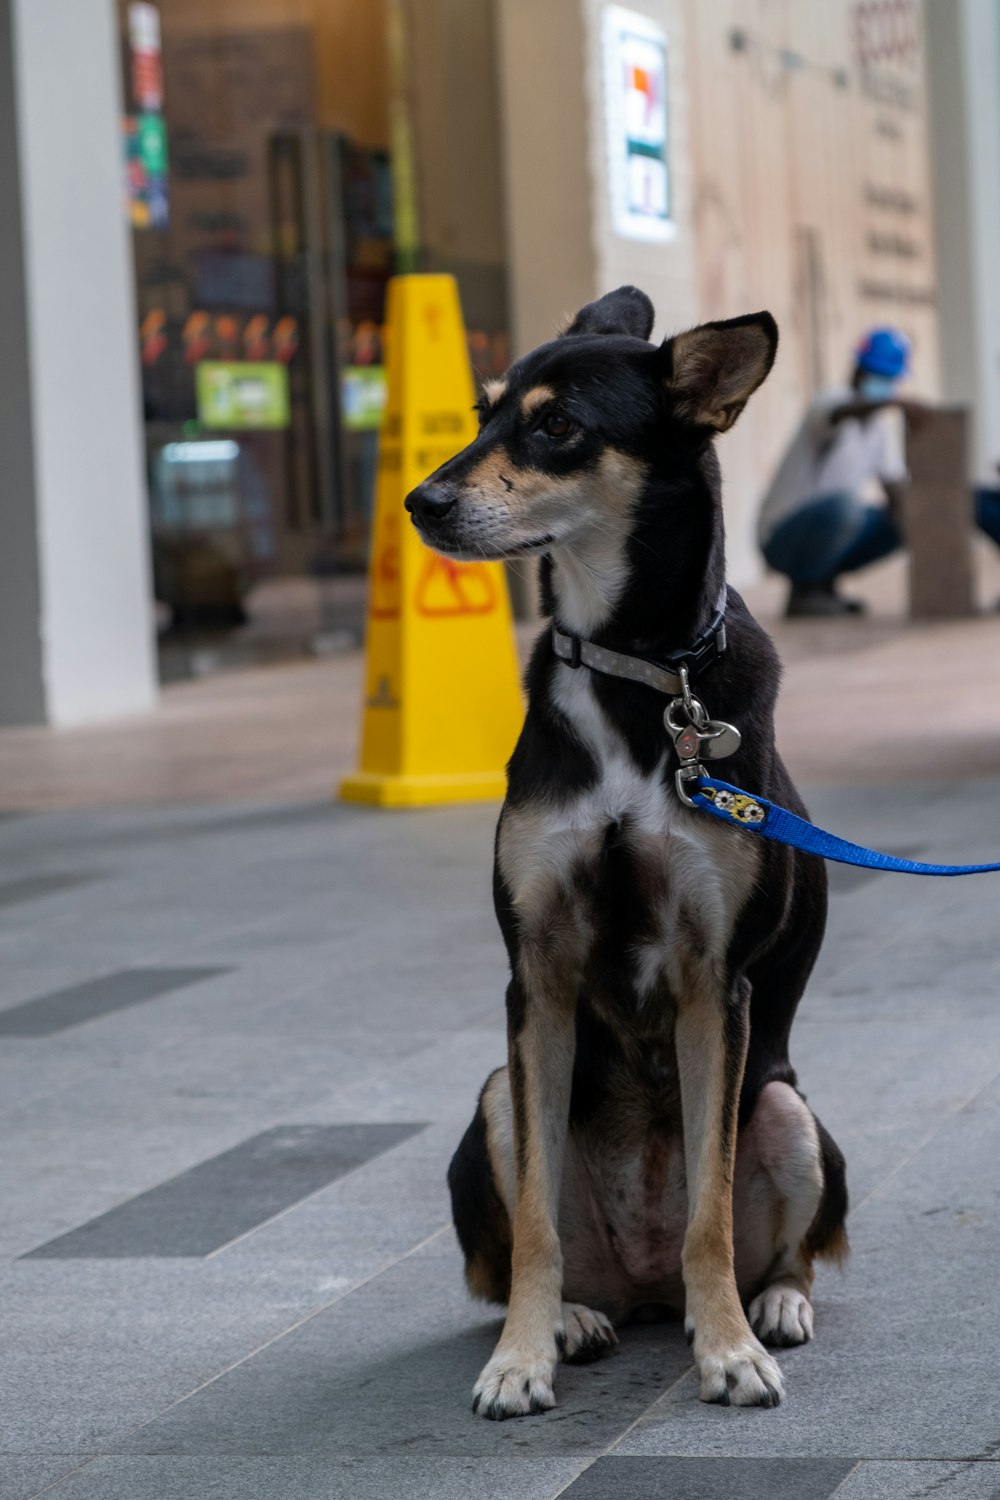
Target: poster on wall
x=637 y=124
x=145 y=129
x=363 y=397
x=237 y=395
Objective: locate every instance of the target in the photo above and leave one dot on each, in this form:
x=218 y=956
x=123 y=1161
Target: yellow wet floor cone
x=443 y=706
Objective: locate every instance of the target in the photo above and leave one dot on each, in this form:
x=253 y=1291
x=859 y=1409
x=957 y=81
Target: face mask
x=876 y=387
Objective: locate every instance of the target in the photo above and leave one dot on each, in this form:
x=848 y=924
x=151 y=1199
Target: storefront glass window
x=259 y=144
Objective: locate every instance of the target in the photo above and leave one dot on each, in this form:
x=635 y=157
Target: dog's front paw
x=585 y=1334
x=781 y=1316
x=745 y=1375
x=514 y=1386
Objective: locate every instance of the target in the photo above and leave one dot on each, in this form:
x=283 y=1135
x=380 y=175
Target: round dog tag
x=719 y=740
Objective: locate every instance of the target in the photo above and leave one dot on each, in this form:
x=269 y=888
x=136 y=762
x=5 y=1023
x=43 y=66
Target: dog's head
x=569 y=438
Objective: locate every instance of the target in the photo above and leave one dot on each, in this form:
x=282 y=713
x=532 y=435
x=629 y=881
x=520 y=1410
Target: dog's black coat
x=777 y=938
x=617 y=390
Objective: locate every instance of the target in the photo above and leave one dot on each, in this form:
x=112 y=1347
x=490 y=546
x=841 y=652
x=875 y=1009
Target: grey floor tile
x=709 y=1479
x=389 y=1371
x=360 y=1223
x=844 y=878
x=154 y=1113
x=24 y=1475
x=883 y=1087
x=222 y=1198
x=216 y=824
x=922 y=1481
x=61 y=1009
x=93 y=1349
x=925 y=952
x=399 y=1478
x=33 y=887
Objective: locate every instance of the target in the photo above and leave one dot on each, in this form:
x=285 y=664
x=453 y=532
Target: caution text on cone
x=442 y=705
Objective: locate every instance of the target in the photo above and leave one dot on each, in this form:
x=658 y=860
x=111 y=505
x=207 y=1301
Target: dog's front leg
x=711 y=1036
x=541 y=1044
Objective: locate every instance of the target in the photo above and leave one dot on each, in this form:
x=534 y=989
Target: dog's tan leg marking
x=588 y=1333
x=711 y=1041
x=786 y=1144
x=519 y=1377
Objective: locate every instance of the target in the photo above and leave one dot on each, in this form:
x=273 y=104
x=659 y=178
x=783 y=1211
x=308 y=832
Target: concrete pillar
x=546 y=127
x=963 y=52
x=75 y=594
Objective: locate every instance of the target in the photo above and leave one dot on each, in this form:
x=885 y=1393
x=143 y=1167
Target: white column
x=963 y=50
x=76 y=634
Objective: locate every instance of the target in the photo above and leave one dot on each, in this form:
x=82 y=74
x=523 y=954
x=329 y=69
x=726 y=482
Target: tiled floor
x=238 y=1046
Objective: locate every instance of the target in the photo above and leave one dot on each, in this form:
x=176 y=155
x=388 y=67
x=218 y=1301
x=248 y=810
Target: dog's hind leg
x=479 y=1198
x=711 y=1038
x=778 y=1196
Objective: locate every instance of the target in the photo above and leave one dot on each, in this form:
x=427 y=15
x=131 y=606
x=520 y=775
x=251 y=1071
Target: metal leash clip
x=696 y=737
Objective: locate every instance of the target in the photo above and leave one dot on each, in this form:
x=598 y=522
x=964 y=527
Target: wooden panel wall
x=811 y=196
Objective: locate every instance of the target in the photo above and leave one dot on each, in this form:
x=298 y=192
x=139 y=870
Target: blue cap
x=884 y=351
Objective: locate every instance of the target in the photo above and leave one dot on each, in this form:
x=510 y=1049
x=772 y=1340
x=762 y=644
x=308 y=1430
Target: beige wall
x=792 y=189
x=810 y=198
x=963 y=46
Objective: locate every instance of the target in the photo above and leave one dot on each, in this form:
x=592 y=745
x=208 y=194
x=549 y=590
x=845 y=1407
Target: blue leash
x=696 y=738
x=731 y=805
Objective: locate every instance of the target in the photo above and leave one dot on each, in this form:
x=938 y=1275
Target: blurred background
x=206 y=198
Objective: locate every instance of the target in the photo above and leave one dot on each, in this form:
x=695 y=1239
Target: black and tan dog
x=646 y=1148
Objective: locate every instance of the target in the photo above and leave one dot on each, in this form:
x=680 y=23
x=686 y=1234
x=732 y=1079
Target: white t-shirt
x=836 y=458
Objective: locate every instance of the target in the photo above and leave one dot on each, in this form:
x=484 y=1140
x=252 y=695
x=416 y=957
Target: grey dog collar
x=705 y=651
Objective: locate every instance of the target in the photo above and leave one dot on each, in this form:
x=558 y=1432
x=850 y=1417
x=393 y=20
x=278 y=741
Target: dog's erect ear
x=626 y=311
x=714 y=369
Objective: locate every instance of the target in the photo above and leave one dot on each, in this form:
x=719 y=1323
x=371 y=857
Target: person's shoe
x=819 y=601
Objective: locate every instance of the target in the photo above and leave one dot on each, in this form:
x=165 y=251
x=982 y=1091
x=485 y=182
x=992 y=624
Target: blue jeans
x=988 y=513
x=829 y=535
x=836 y=534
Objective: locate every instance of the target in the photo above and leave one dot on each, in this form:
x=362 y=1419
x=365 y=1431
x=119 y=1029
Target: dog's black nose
x=429 y=502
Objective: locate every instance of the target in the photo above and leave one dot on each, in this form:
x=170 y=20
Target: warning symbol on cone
x=447 y=588
x=385 y=591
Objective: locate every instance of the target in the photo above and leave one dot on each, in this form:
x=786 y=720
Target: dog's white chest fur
x=693 y=871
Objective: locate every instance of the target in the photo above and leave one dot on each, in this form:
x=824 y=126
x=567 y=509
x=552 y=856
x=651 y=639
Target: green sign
x=234 y=394
x=363 y=396
x=152 y=133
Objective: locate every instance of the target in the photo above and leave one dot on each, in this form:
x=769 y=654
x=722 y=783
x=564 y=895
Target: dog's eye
x=555 y=425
